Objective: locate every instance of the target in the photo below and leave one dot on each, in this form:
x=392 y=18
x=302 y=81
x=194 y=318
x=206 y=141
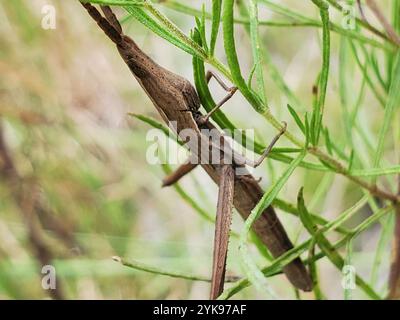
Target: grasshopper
x=177 y=102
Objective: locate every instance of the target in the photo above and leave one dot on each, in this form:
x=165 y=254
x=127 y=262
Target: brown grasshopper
x=177 y=102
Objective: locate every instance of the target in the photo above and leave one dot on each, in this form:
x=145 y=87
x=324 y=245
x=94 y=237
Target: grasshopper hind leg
x=222 y=230
x=231 y=91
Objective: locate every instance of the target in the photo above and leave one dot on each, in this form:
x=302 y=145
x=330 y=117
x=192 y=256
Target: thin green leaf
x=375 y=172
x=314 y=274
x=141 y=16
x=256 y=49
x=154 y=124
x=351 y=162
x=377 y=71
x=276 y=266
x=318 y=112
x=384 y=239
x=296 y=118
x=201 y=27
x=290 y=208
x=364 y=70
x=307 y=130
x=326 y=246
x=300 y=21
x=391 y=107
x=232 y=58
x=156 y=270
x=216 y=19
x=272 y=69
x=171 y=27
x=250 y=267
x=251 y=75
x=346 y=86
x=328 y=142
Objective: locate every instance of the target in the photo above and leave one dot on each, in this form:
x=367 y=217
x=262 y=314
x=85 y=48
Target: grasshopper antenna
x=112 y=18
x=109 y=24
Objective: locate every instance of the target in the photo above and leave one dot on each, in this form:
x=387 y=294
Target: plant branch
x=236 y=78
x=363 y=23
x=146 y=268
x=394 y=276
x=385 y=23
x=276 y=266
x=297 y=22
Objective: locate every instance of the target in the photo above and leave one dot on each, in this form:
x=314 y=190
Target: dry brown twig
x=384 y=21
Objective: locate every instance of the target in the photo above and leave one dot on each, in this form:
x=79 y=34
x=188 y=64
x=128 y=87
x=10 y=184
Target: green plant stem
x=319 y=109
x=299 y=21
x=254 y=100
x=276 y=266
x=155 y=270
x=171 y=26
x=333 y=27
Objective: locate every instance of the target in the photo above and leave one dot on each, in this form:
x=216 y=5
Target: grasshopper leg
x=242 y=160
x=267 y=151
x=231 y=91
x=211 y=74
x=222 y=229
x=179 y=173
